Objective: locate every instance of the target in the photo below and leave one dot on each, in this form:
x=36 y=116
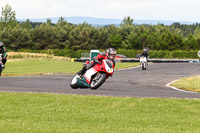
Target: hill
x=105 y=21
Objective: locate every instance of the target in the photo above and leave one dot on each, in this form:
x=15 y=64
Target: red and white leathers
x=96 y=59
x=110 y=54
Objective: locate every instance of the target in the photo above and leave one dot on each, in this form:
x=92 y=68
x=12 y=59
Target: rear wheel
x=98 y=80
x=73 y=82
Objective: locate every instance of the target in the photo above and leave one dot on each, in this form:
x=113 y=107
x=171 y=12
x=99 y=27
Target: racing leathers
x=97 y=59
x=145 y=54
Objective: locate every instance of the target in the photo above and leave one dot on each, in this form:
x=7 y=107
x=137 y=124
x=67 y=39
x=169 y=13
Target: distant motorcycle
x=1 y=64
x=143 y=62
x=95 y=76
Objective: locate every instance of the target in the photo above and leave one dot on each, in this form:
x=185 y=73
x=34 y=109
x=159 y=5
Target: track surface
x=129 y=83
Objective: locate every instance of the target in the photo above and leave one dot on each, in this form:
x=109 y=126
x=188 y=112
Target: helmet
x=145 y=51
x=1 y=45
x=111 y=52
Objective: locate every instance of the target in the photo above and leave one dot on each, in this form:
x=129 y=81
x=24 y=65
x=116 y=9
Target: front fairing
x=106 y=66
x=143 y=59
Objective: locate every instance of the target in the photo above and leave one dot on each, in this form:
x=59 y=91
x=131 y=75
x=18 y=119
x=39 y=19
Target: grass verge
x=32 y=112
x=189 y=83
x=43 y=66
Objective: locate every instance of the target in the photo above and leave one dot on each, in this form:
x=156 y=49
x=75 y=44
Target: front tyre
x=97 y=81
x=143 y=66
x=74 y=81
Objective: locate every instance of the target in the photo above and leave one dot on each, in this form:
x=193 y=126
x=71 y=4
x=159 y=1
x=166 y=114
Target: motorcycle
x=143 y=62
x=1 y=64
x=95 y=76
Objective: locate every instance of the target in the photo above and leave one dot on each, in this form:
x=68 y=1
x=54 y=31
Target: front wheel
x=74 y=81
x=98 y=80
x=143 y=66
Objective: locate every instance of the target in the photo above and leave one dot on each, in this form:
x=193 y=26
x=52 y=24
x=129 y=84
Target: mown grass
x=32 y=112
x=189 y=83
x=43 y=66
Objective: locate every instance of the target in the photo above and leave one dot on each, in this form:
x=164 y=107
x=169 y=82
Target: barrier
x=150 y=60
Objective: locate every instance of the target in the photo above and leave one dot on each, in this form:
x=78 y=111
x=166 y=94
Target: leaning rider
x=109 y=54
x=3 y=52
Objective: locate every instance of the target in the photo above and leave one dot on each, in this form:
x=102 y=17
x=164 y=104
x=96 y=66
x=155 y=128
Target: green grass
x=189 y=83
x=41 y=66
x=32 y=67
x=32 y=112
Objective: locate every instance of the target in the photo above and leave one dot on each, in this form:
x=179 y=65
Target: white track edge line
x=169 y=85
x=127 y=68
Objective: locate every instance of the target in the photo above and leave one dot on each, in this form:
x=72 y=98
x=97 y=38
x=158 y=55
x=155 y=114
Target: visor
x=112 y=56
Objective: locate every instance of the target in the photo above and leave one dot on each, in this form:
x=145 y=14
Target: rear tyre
x=73 y=82
x=98 y=80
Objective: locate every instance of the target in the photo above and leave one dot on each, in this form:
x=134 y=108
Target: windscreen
x=109 y=63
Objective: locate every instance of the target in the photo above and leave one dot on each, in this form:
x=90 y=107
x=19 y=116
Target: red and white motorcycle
x=95 y=76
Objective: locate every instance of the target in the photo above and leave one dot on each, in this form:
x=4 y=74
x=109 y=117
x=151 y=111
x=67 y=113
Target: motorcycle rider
x=4 y=53
x=109 y=54
x=145 y=54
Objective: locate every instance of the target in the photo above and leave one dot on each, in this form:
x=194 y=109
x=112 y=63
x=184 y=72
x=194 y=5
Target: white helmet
x=1 y=44
x=111 y=52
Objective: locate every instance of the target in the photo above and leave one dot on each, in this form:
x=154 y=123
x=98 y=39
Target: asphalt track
x=124 y=83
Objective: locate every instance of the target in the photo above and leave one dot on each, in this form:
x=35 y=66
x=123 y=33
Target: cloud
x=184 y=1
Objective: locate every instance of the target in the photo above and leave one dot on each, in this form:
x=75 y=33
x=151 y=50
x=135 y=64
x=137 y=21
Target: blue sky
x=174 y=10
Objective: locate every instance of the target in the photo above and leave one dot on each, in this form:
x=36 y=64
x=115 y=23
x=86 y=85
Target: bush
x=131 y=53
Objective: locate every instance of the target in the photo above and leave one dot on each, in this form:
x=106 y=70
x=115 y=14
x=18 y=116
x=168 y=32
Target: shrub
x=131 y=53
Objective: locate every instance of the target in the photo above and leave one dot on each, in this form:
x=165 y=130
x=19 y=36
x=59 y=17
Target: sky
x=171 y=10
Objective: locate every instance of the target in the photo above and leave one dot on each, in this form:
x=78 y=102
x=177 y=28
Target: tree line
x=63 y=35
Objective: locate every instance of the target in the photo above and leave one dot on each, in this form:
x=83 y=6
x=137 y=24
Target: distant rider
x=145 y=54
x=3 y=52
x=109 y=54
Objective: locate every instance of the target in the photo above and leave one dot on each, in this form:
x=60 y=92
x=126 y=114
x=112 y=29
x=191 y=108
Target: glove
x=96 y=61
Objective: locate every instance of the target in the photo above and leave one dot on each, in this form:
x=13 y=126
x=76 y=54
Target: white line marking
x=127 y=68
x=169 y=85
